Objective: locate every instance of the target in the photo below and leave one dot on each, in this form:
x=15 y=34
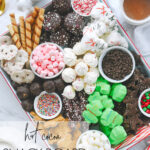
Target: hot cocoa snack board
x=85 y=94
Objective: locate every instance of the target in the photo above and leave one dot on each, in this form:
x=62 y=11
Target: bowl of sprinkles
x=48 y=105
x=83 y=7
x=144 y=102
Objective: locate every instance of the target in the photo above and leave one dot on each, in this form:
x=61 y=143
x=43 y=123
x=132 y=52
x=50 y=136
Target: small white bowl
x=101 y=60
x=43 y=116
x=56 y=75
x=77 y=11
x=90 y=131
x=130 y=20
x=139 y=103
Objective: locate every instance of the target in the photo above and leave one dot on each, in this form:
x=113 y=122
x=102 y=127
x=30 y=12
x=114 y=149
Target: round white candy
x=78 y=50
x=90 y=78
x=81 y=69
x=69 y=57
x=90 y=59
x=104 y=138
x=69 y=92
x=69 y=75
x=107 y=146
x=89 y=88
x=78 y=84
x=95 y=70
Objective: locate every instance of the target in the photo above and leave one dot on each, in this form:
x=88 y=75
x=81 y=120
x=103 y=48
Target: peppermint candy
x=83 y=7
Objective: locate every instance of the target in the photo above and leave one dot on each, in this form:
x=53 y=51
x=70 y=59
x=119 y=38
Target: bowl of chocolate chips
x=116 y=64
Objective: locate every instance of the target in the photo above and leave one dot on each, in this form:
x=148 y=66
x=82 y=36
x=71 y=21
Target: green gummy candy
x=144 y=100
x=117 y=135
x=89 y=118
x=106 y=101
x=98 y=83
x=105 y=129
x=105 y=88
x=111 y=118
x=148 y=106
x=98 y=104
x=94 y=109
x=119 y=92
x=94 y=96
x=108 y=104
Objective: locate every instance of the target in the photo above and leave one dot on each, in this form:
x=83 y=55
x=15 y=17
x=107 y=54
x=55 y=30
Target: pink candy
x=84 y=7
x=47 y=60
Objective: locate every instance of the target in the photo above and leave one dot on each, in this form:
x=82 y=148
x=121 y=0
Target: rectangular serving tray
x=132 y=47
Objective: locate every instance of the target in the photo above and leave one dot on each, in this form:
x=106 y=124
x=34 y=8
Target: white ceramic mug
x=130 y=20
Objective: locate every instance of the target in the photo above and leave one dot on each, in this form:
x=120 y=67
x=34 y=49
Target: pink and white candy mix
x=83 y=7
x=47 y=60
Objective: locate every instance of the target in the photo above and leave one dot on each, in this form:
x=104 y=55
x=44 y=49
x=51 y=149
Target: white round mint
x=90 y=78
x=89 y=88
x=104 y=138
x=81 y=69
x=68 y=75
x=107 y=146
x=91 y=140
x=69 y=92
x=101 y=148
x=69 y=57
x=78 y=84
x=90 y=59
x=95 y=70
x=78 y=50
x=82 y=146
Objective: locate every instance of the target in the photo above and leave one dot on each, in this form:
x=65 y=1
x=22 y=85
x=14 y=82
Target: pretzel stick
x=14 y=37
x=41 y=13
x=28 y=35
x=38 y=29
x=14 y=25
x=22 y=32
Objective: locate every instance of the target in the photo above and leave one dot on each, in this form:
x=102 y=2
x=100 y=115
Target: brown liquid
x=137 y=9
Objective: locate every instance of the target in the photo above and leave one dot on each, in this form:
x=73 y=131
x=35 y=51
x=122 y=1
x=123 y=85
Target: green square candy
x=98 y=83
x=94 y=109
x=105 y=88
x=117 y=135
x=97 y=104
x=106 y=130
x=94 y=96
x=119 y=92
x=108 y=103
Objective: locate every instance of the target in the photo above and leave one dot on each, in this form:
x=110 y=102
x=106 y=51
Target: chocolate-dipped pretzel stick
x=22 y=32
x=14 y=37
x=28 y=23
x=15 y=27
x=38 y=29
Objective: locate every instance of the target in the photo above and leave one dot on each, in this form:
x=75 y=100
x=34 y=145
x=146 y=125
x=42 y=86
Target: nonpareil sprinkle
x=48 y=104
